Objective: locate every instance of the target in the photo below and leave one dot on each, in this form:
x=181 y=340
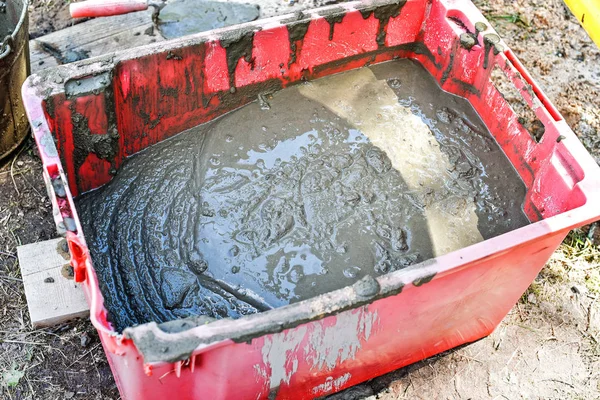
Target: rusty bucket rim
x=8 y=42
x=10 y=38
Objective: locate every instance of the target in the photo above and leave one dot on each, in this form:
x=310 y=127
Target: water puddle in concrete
x=301 y=193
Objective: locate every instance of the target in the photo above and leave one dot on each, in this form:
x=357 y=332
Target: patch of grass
x=578 y=245
x=555 y=273
x=514 y=18
x=537 y=288
x=578 y=258
x=12 y=377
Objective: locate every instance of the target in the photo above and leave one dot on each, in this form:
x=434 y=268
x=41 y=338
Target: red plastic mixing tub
x=338 y=339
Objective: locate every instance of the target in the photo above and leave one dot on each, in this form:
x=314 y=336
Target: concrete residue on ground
x=301 y=193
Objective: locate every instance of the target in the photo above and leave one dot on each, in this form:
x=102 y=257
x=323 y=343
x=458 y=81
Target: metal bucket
x=14 y=68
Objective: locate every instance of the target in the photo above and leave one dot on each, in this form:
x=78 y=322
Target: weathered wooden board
x=93 y=38
x=52 y=297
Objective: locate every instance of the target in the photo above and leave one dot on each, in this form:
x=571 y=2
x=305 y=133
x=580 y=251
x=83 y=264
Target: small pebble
x=366 y=287
x=85 y=339
x=578 y=289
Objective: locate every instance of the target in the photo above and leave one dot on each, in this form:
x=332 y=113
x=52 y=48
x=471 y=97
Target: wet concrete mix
x=302 y=192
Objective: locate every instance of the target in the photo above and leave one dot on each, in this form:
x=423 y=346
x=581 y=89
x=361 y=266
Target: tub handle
x=5 y=46
x=539 y=94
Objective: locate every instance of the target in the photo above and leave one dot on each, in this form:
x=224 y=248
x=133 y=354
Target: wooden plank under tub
x=52 y=295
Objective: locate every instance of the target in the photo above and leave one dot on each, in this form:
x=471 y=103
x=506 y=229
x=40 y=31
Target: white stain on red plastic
x=322 y=344
x=280 y=354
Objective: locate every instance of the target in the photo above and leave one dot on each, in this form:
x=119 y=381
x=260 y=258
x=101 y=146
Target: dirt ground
x=548 y=347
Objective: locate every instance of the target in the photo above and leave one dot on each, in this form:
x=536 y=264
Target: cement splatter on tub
x=301 y=193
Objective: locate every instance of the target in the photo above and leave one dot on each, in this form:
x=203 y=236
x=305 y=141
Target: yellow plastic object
x=588 y=14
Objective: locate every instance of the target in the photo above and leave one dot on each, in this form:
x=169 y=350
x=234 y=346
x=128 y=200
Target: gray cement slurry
x=303 y=192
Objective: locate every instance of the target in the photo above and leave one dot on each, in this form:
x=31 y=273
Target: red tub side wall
x=321 y=357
